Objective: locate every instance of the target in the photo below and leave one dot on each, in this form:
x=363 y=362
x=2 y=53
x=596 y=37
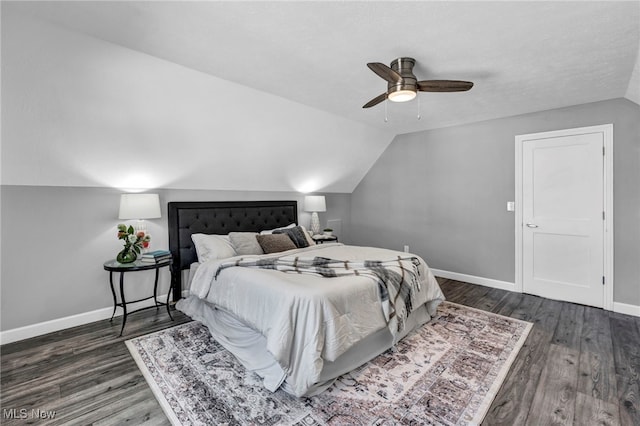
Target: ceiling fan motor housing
x=404 y=67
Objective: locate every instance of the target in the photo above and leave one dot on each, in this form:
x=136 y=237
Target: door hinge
x=603 y=215
x=603 y=151
x=603 y=280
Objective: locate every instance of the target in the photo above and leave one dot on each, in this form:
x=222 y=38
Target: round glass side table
x=114 y=266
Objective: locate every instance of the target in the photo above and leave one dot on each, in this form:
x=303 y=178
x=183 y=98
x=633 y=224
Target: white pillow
x=307 y=235
x=270 y=231
x=212 y=247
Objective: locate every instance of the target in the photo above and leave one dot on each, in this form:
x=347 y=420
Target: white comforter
x=306 y=319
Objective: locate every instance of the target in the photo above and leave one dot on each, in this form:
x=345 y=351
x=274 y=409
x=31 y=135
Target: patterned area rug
x=445 y=373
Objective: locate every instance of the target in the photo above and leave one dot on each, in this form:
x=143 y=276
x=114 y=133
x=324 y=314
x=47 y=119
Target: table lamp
x=315 y=204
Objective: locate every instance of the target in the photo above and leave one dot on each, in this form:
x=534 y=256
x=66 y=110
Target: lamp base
x=141 y=226
x=315 y=223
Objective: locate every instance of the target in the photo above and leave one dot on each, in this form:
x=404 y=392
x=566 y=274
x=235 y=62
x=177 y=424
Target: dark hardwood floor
x=579 y=366
x=85 y=374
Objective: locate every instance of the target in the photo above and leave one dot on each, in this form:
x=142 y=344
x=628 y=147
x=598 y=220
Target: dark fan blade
x=444 y=86
x=385 y=72
x=375 y=101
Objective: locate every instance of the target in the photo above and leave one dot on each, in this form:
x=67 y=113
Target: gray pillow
x=296 y=234
x=274 y=243
x=245 y=243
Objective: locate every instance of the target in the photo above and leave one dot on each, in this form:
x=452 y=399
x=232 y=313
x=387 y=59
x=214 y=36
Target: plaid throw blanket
x=398 y=280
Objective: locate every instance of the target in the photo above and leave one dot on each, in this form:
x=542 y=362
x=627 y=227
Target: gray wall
x=55 y=240
x=444 y=193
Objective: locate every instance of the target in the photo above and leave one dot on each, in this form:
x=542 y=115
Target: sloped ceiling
x=522 y=56
x=79 y=111
x=633 y=90
x=217 y=95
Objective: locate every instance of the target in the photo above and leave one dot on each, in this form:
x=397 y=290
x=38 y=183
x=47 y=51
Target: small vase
x=128 y=255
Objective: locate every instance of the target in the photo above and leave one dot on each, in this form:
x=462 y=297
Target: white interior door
x=563 y=217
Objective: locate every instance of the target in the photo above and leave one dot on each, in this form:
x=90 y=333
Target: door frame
x=607 y=131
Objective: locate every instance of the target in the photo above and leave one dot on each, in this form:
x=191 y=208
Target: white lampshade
x=139 y=206
x=314 y=203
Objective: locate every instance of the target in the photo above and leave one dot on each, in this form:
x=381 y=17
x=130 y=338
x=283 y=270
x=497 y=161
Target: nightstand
x=114 y=266
x=321 y=238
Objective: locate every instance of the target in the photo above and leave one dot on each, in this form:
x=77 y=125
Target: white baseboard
x=39 y=329
x=45 y=327
x=618 y=307
x=623 y=308
x=487 y=282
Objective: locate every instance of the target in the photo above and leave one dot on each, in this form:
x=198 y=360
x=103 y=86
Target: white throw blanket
x=398 y=279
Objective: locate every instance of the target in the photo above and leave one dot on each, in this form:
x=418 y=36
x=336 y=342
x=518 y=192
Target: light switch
x=511 y=206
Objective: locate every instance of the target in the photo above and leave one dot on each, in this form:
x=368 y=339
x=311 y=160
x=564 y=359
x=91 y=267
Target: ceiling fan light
x=401 y=95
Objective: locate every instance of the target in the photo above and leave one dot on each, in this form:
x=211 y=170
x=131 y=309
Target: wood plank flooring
x=579 y=366
x=85 y=374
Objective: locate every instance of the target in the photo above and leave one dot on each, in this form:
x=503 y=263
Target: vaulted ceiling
x=522 y=56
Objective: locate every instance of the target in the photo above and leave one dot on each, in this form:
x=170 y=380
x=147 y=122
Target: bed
x=299 y=316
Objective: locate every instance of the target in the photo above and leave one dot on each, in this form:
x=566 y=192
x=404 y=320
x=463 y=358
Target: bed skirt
x=249 y=345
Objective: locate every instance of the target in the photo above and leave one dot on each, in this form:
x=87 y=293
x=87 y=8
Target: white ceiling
x=522 y=56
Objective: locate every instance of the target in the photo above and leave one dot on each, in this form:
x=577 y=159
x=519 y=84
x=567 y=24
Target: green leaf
x=130 y=230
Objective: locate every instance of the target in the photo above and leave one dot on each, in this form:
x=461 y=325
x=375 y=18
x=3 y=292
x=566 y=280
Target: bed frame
x=219 y=217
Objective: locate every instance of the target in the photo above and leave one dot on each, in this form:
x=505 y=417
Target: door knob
x=532 y=225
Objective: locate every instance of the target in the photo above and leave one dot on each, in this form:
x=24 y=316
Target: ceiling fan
x=403 y=85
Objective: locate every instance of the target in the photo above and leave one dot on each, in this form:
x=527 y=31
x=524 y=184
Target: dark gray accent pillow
x=296 y=234
x=274 y=243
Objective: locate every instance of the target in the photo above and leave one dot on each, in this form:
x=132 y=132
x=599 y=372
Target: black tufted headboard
x=219 y=217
